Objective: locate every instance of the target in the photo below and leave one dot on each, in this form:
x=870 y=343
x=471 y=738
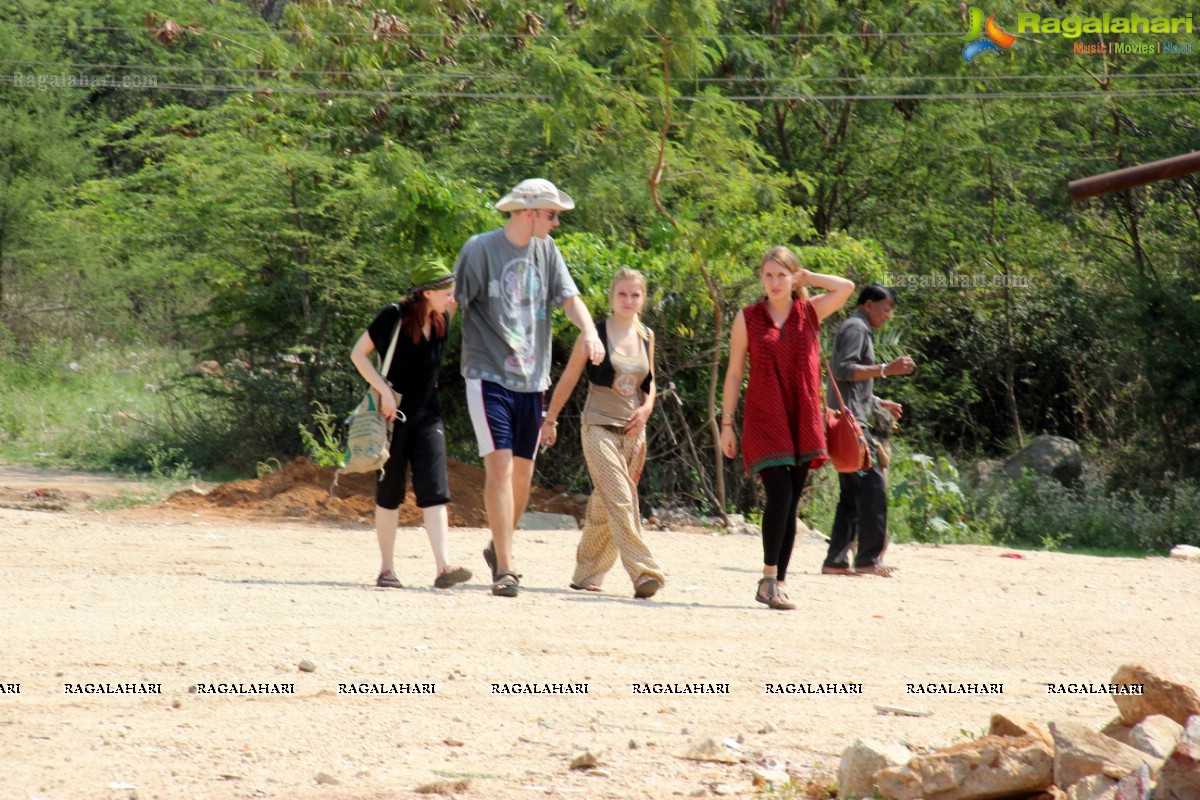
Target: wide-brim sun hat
x=535 y=193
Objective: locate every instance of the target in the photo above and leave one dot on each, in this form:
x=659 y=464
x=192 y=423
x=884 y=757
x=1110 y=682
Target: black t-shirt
x=414 y=369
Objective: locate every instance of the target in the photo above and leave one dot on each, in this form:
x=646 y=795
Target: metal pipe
x=1134 y=176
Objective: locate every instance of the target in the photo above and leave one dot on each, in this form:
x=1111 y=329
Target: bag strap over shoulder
x=387 y=361
x=833 y=382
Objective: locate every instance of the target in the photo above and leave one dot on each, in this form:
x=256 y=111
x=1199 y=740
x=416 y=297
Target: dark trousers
x=862 y=513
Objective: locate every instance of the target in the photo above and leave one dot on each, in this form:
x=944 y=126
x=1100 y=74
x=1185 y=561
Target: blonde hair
x=628 y=274
x=786 y=259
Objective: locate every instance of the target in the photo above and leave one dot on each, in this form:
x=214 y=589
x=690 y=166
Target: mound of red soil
x=302 y=490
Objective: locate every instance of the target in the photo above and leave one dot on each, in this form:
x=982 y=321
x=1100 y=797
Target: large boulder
x=987 y=768
x=1161 y=695
x=1080 y=751
x=860 y=762
x=1050 y=456
x=1180 y=776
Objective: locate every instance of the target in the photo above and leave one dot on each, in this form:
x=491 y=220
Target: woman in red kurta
x=782 y=431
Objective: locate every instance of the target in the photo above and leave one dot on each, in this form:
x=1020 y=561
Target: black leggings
x=782 y=486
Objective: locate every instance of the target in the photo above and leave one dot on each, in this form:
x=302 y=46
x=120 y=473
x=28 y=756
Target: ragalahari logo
x=984 y=36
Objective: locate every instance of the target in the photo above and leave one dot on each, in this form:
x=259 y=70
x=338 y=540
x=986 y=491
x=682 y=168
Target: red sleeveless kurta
x=782 y=420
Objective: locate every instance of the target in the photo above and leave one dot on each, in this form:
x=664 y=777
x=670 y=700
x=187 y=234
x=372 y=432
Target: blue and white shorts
x=504 y=419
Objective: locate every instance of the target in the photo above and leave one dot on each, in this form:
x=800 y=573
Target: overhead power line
x=449 y=75
x=492 y=35
x=81 y=82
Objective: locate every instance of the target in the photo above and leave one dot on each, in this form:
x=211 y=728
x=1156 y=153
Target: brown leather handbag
x=844 y=437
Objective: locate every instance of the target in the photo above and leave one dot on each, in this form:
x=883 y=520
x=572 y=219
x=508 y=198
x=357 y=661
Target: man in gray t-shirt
x=506 y=293
x=862 y=503
x=507 y=283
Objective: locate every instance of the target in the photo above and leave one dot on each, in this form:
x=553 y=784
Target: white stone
x=1185 y=552
x=543 y=521
x=860 y=762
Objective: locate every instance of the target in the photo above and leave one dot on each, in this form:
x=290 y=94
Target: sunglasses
x=550 y=215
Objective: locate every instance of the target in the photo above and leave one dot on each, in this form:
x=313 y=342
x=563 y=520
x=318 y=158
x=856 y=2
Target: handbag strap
x=387 y=361
x=833 y=382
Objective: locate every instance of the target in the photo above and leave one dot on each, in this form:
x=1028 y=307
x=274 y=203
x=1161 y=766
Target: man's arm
x=848 y=346
x=577 y=312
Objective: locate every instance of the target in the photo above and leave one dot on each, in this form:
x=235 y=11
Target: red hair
x=413 y=313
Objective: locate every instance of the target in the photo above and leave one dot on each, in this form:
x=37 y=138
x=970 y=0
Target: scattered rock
x=1185 y=552
x=444 y=787
x=325 y=779
x=307 y=666
x=1155 y=735
x=766 y=728
x=633 y=745
x=585 y=760
x=1180 y=776
x=1080 y=752
x=861 y=760
x=1137 y=785
x=774 y=777
x=1161 y=696
x=1094 y=787
x=599 y=773
x=903 y=712
x=1003 y=725
x=709 y=750
x=1052 y=793
x=1050 y=456
x=988 y=767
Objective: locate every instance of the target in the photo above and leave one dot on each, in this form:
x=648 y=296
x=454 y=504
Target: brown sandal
x=451 y=576
x=388 y=580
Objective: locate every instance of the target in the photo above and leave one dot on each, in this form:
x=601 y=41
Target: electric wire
x=57 y=82
x=607 y=78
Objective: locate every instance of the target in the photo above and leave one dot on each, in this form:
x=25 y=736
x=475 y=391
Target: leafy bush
x=925 y=491
x=1041 y=512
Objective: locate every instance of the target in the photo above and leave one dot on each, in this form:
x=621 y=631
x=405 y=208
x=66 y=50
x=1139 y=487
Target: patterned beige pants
x=614 y=520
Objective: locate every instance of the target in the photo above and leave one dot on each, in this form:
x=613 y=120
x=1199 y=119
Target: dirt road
x=174 y=599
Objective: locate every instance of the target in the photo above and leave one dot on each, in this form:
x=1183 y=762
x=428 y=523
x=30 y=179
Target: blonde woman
x=613 y=429
x=783 y=435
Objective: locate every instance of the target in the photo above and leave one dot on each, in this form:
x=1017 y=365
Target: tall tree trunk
x=714 y=293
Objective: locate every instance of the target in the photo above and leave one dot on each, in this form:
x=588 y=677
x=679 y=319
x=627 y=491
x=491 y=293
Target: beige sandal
x=773 y=598
x=646 y=587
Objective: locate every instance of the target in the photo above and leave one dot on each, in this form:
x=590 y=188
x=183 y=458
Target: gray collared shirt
x=853 y=345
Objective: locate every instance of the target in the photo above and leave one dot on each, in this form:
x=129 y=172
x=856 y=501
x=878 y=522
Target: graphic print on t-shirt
x=625 y=384
x=522 y=296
